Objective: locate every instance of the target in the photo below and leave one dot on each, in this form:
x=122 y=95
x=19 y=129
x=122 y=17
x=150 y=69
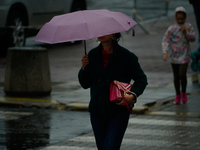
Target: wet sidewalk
x=71 y=96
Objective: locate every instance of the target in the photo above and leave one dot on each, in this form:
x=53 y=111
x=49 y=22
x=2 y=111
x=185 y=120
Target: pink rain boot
x=184 y=98
x=177 y=99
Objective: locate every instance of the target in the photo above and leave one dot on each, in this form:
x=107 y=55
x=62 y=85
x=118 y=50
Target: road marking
x=136 y=135
x=68 y=148
x=79 y=143
x=158 y=132
x=8 y=115
x=163 y=122
x=167 y=113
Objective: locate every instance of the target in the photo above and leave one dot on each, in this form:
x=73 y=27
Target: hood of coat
x=180 y=9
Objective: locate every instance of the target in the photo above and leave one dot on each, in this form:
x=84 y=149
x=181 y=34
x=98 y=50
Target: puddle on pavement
x=26 y=131
x=29 y=128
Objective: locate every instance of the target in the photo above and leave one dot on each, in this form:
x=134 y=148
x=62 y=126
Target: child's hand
x=165 y=56
x=183 y=29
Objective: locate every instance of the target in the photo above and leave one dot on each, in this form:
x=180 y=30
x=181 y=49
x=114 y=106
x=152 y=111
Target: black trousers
x=180 y=77
x=109 y=129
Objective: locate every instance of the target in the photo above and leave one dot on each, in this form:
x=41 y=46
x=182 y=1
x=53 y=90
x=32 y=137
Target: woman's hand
x=129 y=98
x=165 y=57
x=85 y=61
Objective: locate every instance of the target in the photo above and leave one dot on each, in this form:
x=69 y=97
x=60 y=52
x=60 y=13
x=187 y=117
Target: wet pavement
x=30 y=128
x=163 y=126
x=156 y=123
x=147 y=132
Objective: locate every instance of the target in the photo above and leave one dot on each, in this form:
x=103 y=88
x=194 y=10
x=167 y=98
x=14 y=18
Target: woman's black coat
x=123 y=66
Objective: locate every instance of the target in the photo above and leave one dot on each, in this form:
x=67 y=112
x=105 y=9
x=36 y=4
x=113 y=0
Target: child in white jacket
x=176 y=42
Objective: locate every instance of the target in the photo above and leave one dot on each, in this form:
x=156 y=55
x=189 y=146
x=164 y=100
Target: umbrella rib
x=85 y=19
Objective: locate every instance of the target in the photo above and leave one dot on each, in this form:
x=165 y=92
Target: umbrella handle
x=85 y=47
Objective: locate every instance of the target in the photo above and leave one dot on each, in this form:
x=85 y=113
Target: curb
x=140 y=109
x=78 y=106
x=54 y=104
x=30 y=103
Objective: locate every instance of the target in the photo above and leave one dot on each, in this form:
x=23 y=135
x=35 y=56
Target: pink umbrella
x=83 y=25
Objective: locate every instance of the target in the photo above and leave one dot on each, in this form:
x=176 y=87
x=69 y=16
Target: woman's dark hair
x=181 y=12
x=117 y=36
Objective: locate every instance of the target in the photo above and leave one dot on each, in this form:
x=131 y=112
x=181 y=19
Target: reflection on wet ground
x=27 y=131
x=35 y=128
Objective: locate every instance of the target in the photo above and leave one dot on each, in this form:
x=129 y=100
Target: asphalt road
x=35 y=128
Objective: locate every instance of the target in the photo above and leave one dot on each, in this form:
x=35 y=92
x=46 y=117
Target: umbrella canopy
x=83 y=25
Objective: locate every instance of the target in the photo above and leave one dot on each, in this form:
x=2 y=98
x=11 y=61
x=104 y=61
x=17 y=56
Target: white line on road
x=163 y=122
x=8 y=115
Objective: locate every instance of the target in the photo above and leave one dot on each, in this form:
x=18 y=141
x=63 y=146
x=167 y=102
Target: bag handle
x=129 y=109
x=125 y=88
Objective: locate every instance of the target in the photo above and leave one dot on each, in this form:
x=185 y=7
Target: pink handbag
x=120 y=89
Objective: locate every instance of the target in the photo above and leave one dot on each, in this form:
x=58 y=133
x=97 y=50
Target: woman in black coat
x=104 y=64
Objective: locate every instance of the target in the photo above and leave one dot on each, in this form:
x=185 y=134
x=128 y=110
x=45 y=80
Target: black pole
x=85 y=47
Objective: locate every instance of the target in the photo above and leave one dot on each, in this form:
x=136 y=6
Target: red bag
x=120 y=89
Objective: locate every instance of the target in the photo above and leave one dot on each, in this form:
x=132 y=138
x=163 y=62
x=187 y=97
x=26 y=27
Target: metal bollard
x=27 y=72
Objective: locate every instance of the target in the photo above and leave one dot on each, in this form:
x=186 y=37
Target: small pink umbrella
x=83 y=25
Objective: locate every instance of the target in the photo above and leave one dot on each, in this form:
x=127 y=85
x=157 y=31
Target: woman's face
x=106 y=38
x=180 y=18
